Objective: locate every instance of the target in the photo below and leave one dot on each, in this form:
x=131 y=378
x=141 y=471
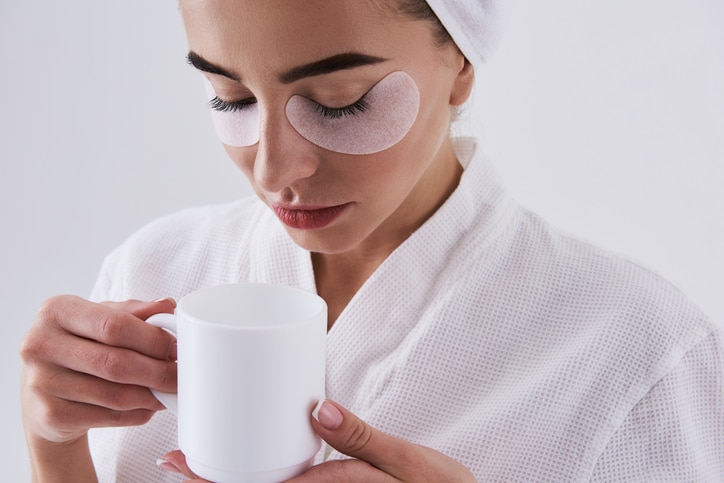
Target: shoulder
x=589 y=334
x=676 y=431
x=600 y=316
x=586 y=274
x=191 y=229
x=563 y=277
x=180 y=251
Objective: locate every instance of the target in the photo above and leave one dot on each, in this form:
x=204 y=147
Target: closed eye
x=340 y=112
x=220 y=105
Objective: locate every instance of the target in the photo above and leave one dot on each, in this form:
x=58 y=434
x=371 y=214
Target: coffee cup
x=251 y=361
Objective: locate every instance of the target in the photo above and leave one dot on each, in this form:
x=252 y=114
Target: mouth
x=309 y=218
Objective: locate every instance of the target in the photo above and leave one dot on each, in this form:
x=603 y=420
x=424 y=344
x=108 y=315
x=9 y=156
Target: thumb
x=348 y=434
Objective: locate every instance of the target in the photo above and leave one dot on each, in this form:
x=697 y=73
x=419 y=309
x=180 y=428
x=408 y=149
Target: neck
x=339 y=276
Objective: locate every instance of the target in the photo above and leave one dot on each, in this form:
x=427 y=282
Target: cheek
x=431 y=129
x=235 y=128
x=243 y=158
x=392 y=107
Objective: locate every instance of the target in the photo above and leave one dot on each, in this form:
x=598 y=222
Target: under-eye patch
x=377 y=121
x=236 y=123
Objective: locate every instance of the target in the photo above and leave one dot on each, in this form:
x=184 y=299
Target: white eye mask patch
x=376 y=122
x=235 y=126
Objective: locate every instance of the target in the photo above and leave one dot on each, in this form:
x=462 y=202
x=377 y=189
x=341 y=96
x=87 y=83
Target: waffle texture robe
x=488 y=335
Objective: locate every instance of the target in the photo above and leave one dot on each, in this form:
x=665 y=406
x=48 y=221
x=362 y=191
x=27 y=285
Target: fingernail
x=167 y=465
x=163 y=299
x=173 y=352
x=327 y=414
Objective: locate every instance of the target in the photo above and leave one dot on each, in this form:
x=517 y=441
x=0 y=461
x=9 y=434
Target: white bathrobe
x=488 y=335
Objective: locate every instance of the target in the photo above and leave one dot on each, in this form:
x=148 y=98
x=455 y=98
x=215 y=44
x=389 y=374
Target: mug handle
x=168 y=323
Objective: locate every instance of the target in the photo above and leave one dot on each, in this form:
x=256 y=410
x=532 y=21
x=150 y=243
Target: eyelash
x=339 y=112
x=328 y=112
x=223 y=106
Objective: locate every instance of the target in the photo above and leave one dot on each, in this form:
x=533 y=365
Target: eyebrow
x=204 y=65
x=345 y=61
x=335 y=63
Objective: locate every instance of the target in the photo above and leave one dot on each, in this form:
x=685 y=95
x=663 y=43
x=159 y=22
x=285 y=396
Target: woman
x=467 y=338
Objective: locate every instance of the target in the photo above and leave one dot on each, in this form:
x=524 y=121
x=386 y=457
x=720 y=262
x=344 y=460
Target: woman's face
x=293 y=65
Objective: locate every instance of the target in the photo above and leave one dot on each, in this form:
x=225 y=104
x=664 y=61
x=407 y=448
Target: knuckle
x=115 y=365
x=161 y=343
x=167 y=376
x=35 y=381
x=32 y=348
x=120 y=398
x=48 y=309
x=358 y=437
x=111 y=329
x=53 y=309
x=55 y=416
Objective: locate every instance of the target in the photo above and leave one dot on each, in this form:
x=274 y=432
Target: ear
x=463 y=84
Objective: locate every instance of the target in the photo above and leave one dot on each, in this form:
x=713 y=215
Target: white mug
x=251 y=363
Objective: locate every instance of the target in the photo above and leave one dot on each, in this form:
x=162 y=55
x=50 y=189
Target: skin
x=379 y=457
x=90 y=365
x=86 y=366
x=392 y=192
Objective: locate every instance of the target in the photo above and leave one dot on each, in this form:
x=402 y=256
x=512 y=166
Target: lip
x=309 y=217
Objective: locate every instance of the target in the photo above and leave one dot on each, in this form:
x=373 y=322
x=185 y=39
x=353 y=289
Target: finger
x=110 y=363
x=177 y=461
x=346 y=470
x=349 y=435
x=144 y=310
x=112 y=324
x=74 y=386
x=57 y=419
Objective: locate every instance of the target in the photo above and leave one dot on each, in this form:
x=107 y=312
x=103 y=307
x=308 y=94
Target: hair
x=418 y=10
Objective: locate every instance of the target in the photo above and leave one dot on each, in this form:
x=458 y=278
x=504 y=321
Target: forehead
x=274 y=34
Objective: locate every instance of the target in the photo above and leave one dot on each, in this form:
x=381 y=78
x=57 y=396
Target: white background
x=606 y=117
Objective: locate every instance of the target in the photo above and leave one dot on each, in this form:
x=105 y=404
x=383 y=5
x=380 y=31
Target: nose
x=283 y=157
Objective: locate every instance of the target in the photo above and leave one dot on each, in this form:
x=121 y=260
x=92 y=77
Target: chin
x=323 y=241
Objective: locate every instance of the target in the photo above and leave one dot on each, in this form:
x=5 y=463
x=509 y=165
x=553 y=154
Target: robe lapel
x=275 y=258
x=362 y=345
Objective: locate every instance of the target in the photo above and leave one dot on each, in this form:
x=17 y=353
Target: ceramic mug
x=251 y=363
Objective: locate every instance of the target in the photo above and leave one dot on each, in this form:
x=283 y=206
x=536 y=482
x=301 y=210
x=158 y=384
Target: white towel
x=473 y=24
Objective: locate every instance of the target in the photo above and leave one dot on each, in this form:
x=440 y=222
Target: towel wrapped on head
x=472 y=24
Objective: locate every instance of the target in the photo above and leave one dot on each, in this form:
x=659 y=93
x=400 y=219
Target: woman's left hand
x=379 y=457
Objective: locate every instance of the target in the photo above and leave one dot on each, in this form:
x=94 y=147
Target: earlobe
x=463 y=84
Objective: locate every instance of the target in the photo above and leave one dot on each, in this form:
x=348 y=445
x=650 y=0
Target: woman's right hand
x=90 y=365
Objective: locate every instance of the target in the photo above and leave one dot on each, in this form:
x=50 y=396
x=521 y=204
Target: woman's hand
x=378 y=457
x=90 y=365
